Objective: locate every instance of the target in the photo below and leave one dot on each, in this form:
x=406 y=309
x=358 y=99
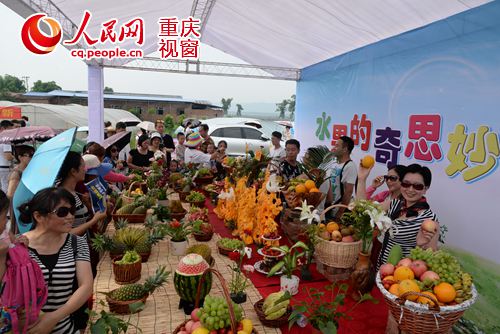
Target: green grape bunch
x=214 y=314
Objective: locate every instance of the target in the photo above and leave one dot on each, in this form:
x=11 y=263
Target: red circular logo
x=35 y=39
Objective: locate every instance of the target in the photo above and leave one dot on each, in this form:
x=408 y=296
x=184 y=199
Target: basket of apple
x=428 y=291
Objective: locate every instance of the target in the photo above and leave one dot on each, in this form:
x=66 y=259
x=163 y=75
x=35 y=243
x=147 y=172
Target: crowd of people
x=61 y=218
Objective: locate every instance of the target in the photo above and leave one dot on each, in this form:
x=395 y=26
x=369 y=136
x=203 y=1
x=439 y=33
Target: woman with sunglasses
x=63 y=258
x=392 y=180
x=408 y=214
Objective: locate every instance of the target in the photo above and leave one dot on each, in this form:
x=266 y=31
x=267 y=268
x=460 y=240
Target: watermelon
x=187 y=277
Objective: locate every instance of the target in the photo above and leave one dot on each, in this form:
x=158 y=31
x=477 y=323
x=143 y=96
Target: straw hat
x=194 y=139
x=94 y=166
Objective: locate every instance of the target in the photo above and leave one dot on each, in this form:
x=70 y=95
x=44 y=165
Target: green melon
x=187 y=277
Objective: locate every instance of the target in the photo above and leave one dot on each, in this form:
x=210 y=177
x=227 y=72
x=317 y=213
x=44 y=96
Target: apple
x=406 y=262
x=429 y=275
x=418 y=267
x=386 y=269
x=182 y=332
x=213 y=331
x=194 y=315
x=222 y=331
x=348 y=238
x=240 y=327
x=429 y=226
x=196 y=325
x=189 y=326
x=336 y=236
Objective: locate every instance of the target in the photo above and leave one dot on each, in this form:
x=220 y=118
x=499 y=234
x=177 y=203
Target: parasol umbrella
x=120 y=140
x=194 y=122
x=285 y=123
x=43 y=168
x=30 y=133
x=146 y=125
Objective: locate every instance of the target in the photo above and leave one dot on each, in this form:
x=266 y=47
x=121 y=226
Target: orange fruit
x=300 y=189
x=332 y=226
x=368 y=161
x=426 y=301
x=408 y=285
x=445 y=292
x=309 y=184
x=394 y=289
x=402 y=273
x=322 y=226
x=314 y=190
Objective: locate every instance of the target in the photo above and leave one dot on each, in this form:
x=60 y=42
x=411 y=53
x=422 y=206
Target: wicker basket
x=134 y=185
x=145 y=256
x=203 y=237
x=123 y=307
x=291 y=224
x=337 y=254
x=416 y=318
x=223 y=250
x=333 y=274
x=132 y=219
x=227 y=296
x=283 y=320
x=202 y=180
x=200 y=204
x=183 y=195
x=127 y=273
x=178 y=215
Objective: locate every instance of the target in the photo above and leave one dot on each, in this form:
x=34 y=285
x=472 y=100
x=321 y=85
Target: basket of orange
x=427 y=292
x=302 y=189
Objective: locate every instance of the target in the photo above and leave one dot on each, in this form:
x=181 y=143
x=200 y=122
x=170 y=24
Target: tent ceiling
x=281 y=33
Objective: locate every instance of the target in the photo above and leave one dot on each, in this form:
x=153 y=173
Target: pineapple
x=138 y=291
x=130 y=237
x=120 y=223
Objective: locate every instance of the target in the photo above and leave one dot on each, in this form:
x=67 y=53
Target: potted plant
x=238 y=282
x=310 y=238
x=366 y=217
x=288 y=264
x=196 y=198
x=202 y=231
x=321 y=308
x=162 y=213
x=104 y=322
x=203 y=176
x=127 y=269
x=178 y=233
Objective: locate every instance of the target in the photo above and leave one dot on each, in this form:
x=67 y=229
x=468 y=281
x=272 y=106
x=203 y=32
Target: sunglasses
x=114 y=150
x=416 y=186
x=392 y=178
x=63 y=211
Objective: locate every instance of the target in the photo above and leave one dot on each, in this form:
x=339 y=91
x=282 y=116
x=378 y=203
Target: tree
x=281 y=108
x=135 y=111
x=40 y=86
x=12 y=84
x=108 y=90
x=291 y=107
x=226 y=104
x=169 y=124
x=239 y=110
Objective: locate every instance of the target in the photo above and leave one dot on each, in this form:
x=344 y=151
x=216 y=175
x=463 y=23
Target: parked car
x=238 y=136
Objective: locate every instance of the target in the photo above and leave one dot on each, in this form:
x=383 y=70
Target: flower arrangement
x=178 y=231
x=195 y=196
x=196 y=213
x=290 y=260
x=366 y=216
x=239 y=281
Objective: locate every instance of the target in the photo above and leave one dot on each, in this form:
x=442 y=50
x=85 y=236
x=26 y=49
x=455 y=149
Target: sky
x=71 y=74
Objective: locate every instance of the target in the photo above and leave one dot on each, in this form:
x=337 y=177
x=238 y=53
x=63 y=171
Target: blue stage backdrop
x=429 y=96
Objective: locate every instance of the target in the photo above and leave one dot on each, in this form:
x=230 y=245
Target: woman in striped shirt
x=408 y=213
x=62 y=257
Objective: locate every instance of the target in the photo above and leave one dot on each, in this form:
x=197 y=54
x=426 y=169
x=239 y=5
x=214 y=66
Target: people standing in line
x=180 y=148
x=167 y=140
x=62 y=257
x=206 y=140
x=139 y=158
x=343 y=177
x=100 y=152
x=289 y=167
x=6 y=157
x=277 y=152
x=157 y=145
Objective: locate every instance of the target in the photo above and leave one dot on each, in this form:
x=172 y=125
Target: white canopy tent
x=277 y=37
x=65 y=116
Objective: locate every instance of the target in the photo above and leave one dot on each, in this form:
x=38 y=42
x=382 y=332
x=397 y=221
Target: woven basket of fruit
x=133 y=218
x=127 y=269
x=337 y=254
x=427 y=292
x=120 y=300
x=291 y=224
x=203 y=237
x=135 y=189
x=217 y=313
x=228 y=245
x=196 y=198
x=272 y=314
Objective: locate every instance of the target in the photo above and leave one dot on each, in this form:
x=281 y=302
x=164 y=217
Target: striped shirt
x=81 y=212
x=404 y=230
x=60 y=279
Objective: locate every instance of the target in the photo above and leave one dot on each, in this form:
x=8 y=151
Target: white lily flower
x=273 y=186
x=306 y=214
x=379 y=219
x=248 y=252
x=227 y=195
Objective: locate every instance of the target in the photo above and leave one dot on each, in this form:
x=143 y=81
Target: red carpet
x=366 y=318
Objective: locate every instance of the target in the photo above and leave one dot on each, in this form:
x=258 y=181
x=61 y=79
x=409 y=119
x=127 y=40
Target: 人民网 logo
x=36 y=40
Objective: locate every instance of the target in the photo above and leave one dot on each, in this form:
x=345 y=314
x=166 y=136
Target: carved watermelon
x=188 y=275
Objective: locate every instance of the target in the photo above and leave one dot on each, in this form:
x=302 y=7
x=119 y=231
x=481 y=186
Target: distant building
x=149 y=107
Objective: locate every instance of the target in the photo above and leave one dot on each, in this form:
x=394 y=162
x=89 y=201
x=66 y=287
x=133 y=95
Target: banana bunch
x=129 y=257
x=276 y=305
x=463 y=288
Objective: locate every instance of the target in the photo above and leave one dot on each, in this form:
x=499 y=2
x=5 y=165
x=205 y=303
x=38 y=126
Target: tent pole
x=95 y=103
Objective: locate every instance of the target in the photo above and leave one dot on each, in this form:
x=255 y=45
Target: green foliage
x=239 y=110
x=226 y=104
x=289 y=261
x=281 y=108
x=12 y=84
x=104 y=322
x=135 y=111
x=151 y=111
x=40 y=86
x=291 y=107
x=108 y=90
x=168 y=121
